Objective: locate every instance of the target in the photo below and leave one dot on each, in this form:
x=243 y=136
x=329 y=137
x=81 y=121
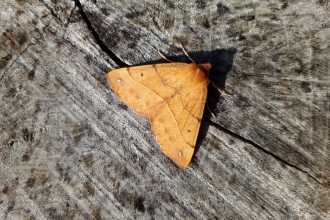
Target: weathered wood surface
x=71 y=150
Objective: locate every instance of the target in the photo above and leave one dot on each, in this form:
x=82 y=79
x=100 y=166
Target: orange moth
x=173 y=96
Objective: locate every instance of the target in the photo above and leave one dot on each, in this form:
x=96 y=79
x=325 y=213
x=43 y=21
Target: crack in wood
x=103 y=47
x=262 y=149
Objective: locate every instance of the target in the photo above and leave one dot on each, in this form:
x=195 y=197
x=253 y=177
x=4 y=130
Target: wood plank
x=70 y=149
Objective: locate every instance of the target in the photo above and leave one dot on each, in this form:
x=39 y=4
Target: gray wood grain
x=69 y=149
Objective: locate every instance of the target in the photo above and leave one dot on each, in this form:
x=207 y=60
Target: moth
x=173 y=96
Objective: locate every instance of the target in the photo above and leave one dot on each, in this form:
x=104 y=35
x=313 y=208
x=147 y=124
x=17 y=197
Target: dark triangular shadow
x=221 y=61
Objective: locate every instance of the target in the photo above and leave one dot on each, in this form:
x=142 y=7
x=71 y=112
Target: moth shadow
x=222 y=62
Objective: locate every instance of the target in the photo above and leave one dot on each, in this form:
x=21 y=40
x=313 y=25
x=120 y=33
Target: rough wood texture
x=71 y=150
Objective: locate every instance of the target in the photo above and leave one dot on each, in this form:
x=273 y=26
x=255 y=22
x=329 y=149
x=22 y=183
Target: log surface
x=70 y=149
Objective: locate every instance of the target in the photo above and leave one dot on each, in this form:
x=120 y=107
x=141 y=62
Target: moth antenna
x=222 y=92
x=208 y=108
x=164 y=57
x=186 y=53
